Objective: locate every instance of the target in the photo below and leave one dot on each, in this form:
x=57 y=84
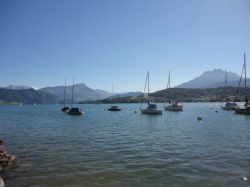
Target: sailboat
x=151 y=108
x=246 y=108
x=75 y=111
x=229 y=105
x=114 y=107
x=176 y=106
x=65 y=108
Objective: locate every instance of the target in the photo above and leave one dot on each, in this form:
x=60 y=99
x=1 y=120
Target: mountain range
x=27 y=96
x=212 y=79
x=81 y=92
x=126 y=94
x=24 y=94
x=21 y=87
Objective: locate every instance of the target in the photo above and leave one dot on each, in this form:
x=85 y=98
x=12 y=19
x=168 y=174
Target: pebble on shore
x=6 y=159
x=1 y=182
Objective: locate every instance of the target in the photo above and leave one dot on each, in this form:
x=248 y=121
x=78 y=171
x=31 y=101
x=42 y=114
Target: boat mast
x=72 y=99
x=64 y=92
x=148 y=87
x=112 y=88
x=142 y=95
x=245 y=79
x=169 y=79
x=225 y=78
x=112 y=92
x=238 y=89
x=168 y=86
x=245 y=71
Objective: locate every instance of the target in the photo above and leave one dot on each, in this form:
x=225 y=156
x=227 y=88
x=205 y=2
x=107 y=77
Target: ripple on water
x=102 y=148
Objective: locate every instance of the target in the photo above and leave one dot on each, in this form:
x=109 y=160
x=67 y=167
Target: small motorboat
x=75 y=112
x=199 y=118
x=114 y=108
x=65 y=109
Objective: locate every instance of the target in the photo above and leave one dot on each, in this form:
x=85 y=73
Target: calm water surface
x=103 y=148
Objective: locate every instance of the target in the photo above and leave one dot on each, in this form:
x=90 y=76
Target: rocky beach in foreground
x=6 y=160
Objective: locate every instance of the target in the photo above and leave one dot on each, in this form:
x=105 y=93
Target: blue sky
x=102 y=42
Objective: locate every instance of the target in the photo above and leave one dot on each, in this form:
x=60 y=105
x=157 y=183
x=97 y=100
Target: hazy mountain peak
x=211 y=79
x=17 y=87
x=81 y=92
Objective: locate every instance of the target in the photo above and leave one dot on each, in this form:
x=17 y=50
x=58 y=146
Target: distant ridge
x=27 y=96
x=126 y=94
x=185 y=95
x=13 y=87
x=81 y=92
x=212 y=79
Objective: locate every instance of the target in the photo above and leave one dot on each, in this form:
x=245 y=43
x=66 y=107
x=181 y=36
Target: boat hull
x=227 y=108
x=114 y=108
x=74 y=113
x=242 y=111
x=151 y=112
x=110 y=109
x=173 y=108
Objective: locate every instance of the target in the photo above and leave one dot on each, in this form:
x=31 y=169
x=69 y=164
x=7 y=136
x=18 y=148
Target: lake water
x=125 y=148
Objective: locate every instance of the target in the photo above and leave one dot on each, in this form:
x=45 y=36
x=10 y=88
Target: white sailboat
x=176 y=106
x=151 y=108
x=65 y=108
x=74 y=111
x=230 y=104
x=246 y=108
x=114 y=108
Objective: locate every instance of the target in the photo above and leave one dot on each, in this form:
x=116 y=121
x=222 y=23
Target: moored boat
x=114 y=108
x=151 y=108
x=74 y=111
x=229 y=105
x=64 y=108
x=176 y=106
x=246 y=108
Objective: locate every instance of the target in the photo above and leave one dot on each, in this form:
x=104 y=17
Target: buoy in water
x=244 y=178
x=199 y=118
